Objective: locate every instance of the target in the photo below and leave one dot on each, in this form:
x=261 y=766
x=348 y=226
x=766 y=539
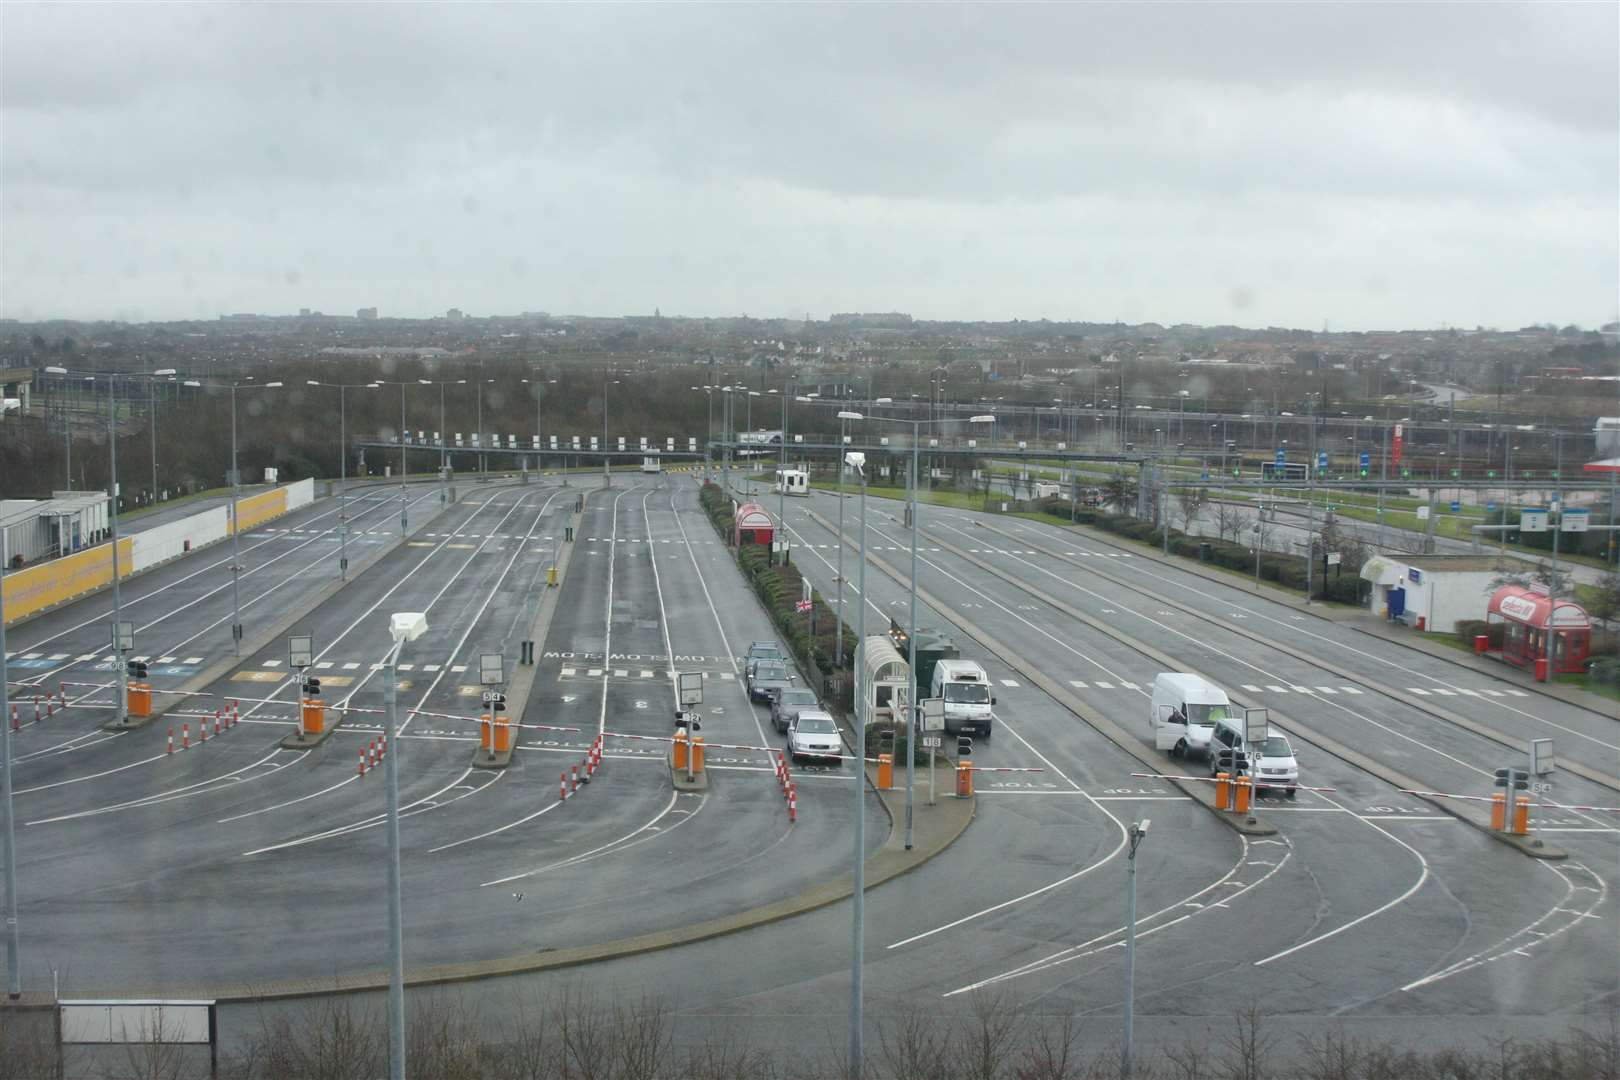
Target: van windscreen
x=1205 y=715
x=968 y=693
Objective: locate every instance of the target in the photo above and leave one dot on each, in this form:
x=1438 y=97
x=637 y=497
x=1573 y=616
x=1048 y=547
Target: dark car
x=766 y=678
x=787 y=705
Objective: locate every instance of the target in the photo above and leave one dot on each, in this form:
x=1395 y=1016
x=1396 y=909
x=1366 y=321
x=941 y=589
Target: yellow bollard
x=885 y=779
x=964 y=780
x=1223 y=791
x=551 y=577
x=314 y=717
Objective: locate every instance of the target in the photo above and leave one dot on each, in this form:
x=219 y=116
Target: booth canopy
x=1537 y=609
x=752 y=516
x=1380 y=571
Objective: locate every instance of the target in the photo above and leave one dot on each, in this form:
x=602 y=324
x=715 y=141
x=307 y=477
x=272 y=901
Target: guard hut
x=1430 y=592
x=1538 y=631
x=37 y=529
x=753 y=526
x=880 y=673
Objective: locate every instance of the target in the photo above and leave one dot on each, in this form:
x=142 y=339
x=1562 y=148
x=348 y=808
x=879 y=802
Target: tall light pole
x=1137 y=832
x=912 y=706
x=343 y=468
x=67 y=425
x=151 y=408
x=857 y=1054
x=607 y=475
x=838 y=643
x=405 y=626
x=9 y=837
x=236 y=531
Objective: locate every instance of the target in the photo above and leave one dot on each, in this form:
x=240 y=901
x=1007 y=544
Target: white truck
x=965 y=689
x=1183 y=712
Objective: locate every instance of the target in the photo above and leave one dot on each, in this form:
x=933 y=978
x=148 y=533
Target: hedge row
x=1286 y=570
x=779 y=587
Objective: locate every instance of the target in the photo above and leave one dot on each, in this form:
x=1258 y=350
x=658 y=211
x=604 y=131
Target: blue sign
x=1206 y=475
x=1455 y=506
x=1282 y=455
x=1490 y=505
x=1366 y=459
x=1321 y=460
x=1415 y=575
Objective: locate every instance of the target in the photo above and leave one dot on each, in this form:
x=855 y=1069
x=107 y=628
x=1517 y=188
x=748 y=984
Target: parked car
x=767 y=678
x=789 y=703
x=814 y=734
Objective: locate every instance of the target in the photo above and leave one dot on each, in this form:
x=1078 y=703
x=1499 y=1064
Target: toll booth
x=1535 y=628
x=753 y=526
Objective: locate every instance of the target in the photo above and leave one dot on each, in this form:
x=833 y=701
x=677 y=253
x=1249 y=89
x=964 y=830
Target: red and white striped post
x=16 y=724
x=185 y=735
x=362 y=763
x=170 y=750
x=562 y=787
x=36 y=708
x=216 y=721
x=793 y=805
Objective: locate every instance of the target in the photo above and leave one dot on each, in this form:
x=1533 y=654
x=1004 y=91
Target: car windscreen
x=1275 y=746
x=816 y=725
x=798 y=697
x=766 y=670
x=967 y=693
x=1205 y=715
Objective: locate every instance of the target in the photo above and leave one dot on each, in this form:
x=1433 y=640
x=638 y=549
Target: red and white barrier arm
x=1491 y=798
x=1213 y=779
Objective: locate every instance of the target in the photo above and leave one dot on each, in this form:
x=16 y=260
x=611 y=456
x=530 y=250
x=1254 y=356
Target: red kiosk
x=1536 y=631
x=753 y=525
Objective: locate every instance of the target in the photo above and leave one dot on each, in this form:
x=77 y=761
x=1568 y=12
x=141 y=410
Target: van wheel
x=1291 y=793
x=1179 y=750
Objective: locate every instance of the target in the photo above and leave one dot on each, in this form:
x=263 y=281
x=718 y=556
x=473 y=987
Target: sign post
x=933 y=721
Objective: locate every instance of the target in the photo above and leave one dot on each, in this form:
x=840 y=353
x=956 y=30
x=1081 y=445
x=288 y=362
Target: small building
x=753 y=526
x=36 y=529
x=1430 y=592
x=1537 y=627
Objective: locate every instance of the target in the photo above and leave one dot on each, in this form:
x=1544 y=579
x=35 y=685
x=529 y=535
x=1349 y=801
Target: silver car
x=814 y=734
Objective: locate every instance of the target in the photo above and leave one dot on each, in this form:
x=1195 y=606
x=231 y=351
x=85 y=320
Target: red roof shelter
x=753 y=525
x=1535 y=627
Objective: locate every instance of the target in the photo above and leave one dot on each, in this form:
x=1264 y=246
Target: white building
x=36 y=529
x=1432 y=592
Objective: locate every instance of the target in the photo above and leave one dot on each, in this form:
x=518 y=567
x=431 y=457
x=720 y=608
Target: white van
x=1271 y=762
x=1184 y=711
x=965 y=689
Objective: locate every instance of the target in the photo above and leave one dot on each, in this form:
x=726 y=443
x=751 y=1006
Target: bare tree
x=1191 y=502
x=1119 y=492
x=1229 y=520
x=1525 y=576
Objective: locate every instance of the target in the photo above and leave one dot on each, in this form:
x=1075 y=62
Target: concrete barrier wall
x=153 y=546
x=30 y=591
x=37 y=588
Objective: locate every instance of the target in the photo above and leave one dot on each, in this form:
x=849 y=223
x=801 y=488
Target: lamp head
x=856 y=460
x=407 y=625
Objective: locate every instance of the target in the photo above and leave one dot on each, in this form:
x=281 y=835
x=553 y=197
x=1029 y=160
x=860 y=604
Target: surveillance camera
x=407 y=625
x=855 y=459
x=1142 y=826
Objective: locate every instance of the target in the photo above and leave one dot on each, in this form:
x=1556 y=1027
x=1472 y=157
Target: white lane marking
x=650 y=828
x=290 y=802
x=428 y=802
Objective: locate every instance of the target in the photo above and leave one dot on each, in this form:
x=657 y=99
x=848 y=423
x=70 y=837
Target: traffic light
x=136 y=670
x=964 y=746
x=1232 y=762
x=312 y=687
x=497 y=703
x=1364 y=472
x=1517 y=779
x=687 y=721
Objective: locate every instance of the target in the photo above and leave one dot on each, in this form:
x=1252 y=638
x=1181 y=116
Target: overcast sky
x=1368 y=165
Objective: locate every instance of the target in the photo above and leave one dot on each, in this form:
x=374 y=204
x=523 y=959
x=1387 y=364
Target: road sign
x=1321 y=460
x=490 y=671
x=1541 y=757
x=1490 y=506
x=300 y=651
x=801 y=605
x=933 y=714
x=1334 y=558
x=689 y=684
x=1574 y=520
x=123 y=636
x=1366 y=459
x=1282 y=455
x=929 y=742
x=1456 y=505
x=1533 y=520
x=1254 y=726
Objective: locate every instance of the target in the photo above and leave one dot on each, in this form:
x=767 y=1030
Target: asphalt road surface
x=1368 y=910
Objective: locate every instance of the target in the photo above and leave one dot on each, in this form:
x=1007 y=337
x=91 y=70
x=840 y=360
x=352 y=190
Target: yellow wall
x=261 y=508
x=39 y=587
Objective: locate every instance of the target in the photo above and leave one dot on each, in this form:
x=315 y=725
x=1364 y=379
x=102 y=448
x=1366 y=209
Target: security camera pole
x=1138 y=831
x=405 y=626
x=13 y=954
x=857 y=1054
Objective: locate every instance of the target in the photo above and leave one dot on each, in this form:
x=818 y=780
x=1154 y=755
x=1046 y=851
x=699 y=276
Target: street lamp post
x=838 y=643
x=1138 y=831
x=405 y=626
x=9 y=837
x=67 y=425
x=343 y=468
x=607 y=475
x=236 y=531
x=857 y=1054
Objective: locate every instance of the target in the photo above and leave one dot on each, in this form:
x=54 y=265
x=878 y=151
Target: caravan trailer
x=793 y=482
x=649 y=464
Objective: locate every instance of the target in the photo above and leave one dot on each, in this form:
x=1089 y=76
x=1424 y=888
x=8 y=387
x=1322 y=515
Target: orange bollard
x=486 y=732
x=140 y=699
x=697 y=754
x=680 y=750
x=1244 y=787
x=1521 y=815
x=885 y=777
x=313 y=717
x=1499 y=811
x=1223 y=791
x=964 y=780
x=503 y=736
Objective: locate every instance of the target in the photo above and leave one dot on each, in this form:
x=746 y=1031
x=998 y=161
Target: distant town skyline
x=1371 y=166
